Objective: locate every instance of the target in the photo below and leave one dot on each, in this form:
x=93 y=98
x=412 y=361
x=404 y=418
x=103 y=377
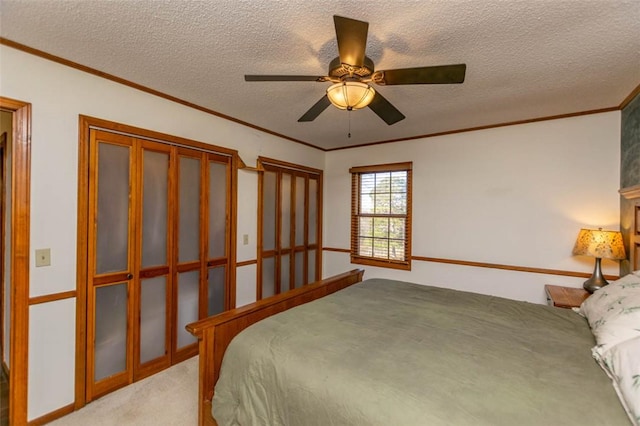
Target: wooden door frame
x=20 y=227
x=3 y=194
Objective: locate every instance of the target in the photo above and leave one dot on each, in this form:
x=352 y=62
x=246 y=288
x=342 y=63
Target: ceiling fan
x=352 y=71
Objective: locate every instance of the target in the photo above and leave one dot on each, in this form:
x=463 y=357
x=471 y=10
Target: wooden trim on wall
x=3 y=204
x=262 y=161
x=391 y=167
x=49 y=417
x=93 y=71
x=338 y=250
x=142 y=88
x=473 y=129
x=511 y=267
x=491 y=265
x=140 y=133
x=52 y=297
x=631 y=192
x=629 y=98
x=82 y=262
x=246 y=263
x=20 y=225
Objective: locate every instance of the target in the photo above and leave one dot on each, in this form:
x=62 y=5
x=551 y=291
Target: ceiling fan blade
x=385 y=110
x=283 y=78
x=352 y=40
x=444 y=74
x=316 y=109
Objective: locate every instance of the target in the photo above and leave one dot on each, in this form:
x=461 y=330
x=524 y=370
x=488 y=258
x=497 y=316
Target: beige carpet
x=167 y=398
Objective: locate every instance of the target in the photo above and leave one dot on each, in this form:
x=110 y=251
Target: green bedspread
x=392 y=353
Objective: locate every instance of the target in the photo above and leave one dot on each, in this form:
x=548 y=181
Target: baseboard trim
x=49 y=417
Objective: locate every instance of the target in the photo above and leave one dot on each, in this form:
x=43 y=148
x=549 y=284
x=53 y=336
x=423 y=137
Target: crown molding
x=630 y=192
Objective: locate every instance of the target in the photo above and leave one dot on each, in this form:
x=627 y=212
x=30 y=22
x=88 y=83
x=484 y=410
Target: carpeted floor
x=167 y=398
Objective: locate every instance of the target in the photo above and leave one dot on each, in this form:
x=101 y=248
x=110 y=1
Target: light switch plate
x=43 y=257
x=245 y=239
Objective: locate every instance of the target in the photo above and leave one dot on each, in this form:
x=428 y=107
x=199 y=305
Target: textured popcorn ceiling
x=525 y=59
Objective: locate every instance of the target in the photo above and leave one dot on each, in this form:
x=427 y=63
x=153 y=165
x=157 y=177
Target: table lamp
x=599 y=244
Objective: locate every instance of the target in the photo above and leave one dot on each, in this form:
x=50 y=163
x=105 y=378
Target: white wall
x=514 y=195
x=58 y=95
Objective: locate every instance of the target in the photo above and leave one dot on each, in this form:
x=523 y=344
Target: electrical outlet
x=245 y=239
x=43 y=257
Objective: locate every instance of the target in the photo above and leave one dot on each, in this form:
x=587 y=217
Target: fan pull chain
x=349 y=134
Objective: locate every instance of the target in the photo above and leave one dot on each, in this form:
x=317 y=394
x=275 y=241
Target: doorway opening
x=15 y=269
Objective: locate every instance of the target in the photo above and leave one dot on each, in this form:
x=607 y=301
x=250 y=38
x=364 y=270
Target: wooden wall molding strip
x=52 y=297
x=631 y=192
x=154 y=92
x=246 y=263
x=489 y=126
x=262 y=161
x=492 y=265
x=338 y=250
x=511 y=267
x=49 y=417
x=142 y=88
x=629 y=98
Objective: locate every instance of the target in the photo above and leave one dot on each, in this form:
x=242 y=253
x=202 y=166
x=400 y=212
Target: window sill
x=406 y=266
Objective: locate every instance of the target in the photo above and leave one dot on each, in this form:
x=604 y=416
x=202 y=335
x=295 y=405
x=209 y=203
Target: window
x=381 y=215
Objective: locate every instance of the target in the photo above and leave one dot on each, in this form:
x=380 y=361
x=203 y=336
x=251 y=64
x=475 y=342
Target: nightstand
x=565 y=297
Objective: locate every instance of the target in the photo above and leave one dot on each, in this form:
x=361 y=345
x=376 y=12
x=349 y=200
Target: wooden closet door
x=111 y=263
x=189 y=249
x=159 y=252
x=152 y=330
x=289 y=229
x=268 y=189
x=217 y=227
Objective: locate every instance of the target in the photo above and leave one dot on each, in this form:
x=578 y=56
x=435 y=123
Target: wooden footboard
x=215 y=333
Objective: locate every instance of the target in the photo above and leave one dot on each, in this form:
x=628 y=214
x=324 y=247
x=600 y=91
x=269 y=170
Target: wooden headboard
x=215 y=333
x=630 y=220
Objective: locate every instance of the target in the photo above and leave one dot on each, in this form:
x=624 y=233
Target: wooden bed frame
x=215 y=333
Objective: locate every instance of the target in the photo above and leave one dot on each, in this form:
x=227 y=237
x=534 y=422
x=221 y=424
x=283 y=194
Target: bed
x=389 y=352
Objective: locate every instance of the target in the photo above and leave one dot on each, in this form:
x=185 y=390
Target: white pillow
x=622 y=365
x=613 y=313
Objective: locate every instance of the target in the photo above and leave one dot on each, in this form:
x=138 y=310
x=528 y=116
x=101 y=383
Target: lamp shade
x=350 y=95
x=600 y=244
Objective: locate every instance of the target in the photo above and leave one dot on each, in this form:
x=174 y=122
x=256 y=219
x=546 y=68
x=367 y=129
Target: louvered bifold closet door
x=202 y=193
x=286 y=233
x=160 y=219
x=289 y=229
x=313 y=226
x=270 y=228
x=153 y=292
x=111 y=263
x=217 y=250
x=189 y=250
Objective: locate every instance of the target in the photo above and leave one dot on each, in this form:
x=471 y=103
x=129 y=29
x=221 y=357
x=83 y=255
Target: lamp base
x=597 y=280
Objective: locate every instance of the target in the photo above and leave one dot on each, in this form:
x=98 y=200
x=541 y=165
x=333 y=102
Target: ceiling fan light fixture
x=350 y=95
